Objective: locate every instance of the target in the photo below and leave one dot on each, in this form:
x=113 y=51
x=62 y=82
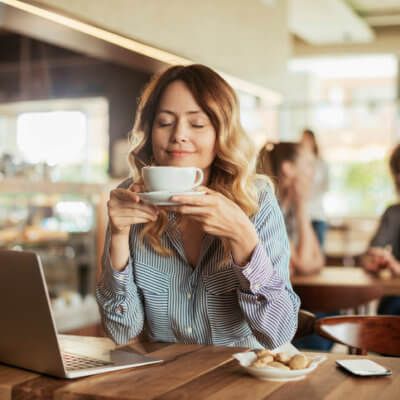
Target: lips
x=179 y=152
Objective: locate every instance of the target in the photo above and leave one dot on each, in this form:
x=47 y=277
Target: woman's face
x=300 y=170
x=182 y=133
x=305 y=164
x=307 y=142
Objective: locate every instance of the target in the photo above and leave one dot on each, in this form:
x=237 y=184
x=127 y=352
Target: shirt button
x=119 y=310
x=189 y=329
x=257 y=286
x=189 y=295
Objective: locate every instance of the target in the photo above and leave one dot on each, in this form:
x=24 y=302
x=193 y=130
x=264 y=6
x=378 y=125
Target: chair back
x=305 y=324
x=380 y=334
x=329 y=298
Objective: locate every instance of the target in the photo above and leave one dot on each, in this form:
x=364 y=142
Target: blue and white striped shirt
x=214 y=303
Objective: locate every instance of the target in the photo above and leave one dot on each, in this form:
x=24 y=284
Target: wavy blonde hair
x=233 y=169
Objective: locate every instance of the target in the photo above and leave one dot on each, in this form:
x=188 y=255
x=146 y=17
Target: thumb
x=136 y=187
x=205 y=189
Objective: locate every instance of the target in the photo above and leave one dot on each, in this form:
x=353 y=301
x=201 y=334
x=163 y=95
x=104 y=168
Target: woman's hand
x=370 y=262
x=300 y=191
x=221 y=217
x=380 y=257
x=125 y=209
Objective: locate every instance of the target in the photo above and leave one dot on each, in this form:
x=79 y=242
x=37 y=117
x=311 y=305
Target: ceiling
x=377 y=13
x=333 y=22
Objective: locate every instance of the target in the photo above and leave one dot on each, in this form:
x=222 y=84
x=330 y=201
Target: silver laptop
x=28 y=336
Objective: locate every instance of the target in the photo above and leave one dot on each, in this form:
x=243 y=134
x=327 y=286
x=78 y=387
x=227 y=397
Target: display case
x=64 y=223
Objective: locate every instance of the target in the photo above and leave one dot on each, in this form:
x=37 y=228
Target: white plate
x=276 y=374
x=162 y=198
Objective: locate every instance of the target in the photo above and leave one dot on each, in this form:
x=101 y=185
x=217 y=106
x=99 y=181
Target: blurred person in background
x=383 y=254
x=290 y=166
x=319 y=187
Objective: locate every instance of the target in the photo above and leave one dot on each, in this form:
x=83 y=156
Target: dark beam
x=27 y=24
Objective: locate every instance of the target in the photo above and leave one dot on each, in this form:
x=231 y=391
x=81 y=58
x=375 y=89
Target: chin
x=186 y=161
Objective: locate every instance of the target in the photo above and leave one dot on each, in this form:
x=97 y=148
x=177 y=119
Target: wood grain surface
x=193 y=371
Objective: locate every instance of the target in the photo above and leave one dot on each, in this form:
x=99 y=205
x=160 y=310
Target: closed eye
x=163 y=124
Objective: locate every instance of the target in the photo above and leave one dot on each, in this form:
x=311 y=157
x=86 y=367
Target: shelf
x=19 y=185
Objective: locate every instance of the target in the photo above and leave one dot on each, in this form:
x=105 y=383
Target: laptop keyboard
x=74 y=362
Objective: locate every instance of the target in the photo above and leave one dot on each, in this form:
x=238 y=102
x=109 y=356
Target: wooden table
x=342 y=288
x=348 y=276
x=198 y=372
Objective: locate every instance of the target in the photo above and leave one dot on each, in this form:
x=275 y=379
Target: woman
x=384 y=248
x=291 y=166
x=214 y=268
x=319 y=187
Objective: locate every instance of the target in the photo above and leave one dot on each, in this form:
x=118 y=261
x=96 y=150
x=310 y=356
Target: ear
x=288 y=169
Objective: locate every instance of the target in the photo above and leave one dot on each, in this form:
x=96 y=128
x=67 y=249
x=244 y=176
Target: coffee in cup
x=171 y=179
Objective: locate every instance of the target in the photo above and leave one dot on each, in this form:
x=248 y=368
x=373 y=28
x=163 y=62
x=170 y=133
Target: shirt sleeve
x=266 y=296
x=387 y=232
x=119 y=300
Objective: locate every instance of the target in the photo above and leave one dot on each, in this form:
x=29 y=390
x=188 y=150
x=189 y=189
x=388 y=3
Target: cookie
x=259 y=363
x=264 y=352
x=277 y=364
x=283 y=358
x=267 y=358
x=299 y=361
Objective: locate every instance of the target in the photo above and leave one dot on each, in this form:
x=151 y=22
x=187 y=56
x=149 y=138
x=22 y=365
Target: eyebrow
x=187 y=112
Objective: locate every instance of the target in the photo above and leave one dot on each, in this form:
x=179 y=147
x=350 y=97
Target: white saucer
x=162 y=198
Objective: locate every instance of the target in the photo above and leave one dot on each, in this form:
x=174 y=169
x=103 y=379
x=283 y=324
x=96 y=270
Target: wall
x=248 y=39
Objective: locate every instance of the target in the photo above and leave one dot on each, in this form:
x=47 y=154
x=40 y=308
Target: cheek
x=211 y=148
x=209 y=144
x=157 y=140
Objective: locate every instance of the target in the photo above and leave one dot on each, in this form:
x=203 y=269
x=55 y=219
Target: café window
x=58 y=139
x=353 y=109
x=52 y=137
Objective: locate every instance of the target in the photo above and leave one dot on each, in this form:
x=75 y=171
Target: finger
x=129 y=212
x=125 y=195
x=146 y=206
x=396 y=269
x=136 y=187
x=193 y=200
x=205 y=189
x=124 y=223
x=371 y=266
x=377 y=250
x=131 y=220
x=116 y=203
x=190 y=210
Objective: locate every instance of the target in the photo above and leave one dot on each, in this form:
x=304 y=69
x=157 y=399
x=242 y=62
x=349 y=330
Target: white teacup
x=171 y=179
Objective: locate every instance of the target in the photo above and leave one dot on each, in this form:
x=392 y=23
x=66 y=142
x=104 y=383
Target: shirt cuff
x=117 y=281
x=257 y=273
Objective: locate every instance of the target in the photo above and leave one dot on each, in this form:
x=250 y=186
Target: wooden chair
x=329 y=298
x=379 y=334
x=305 y=324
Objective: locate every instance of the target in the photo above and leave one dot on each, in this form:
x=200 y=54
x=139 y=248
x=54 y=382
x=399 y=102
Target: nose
x=180 y=133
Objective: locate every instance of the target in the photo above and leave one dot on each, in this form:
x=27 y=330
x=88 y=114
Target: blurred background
x=71 y=72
